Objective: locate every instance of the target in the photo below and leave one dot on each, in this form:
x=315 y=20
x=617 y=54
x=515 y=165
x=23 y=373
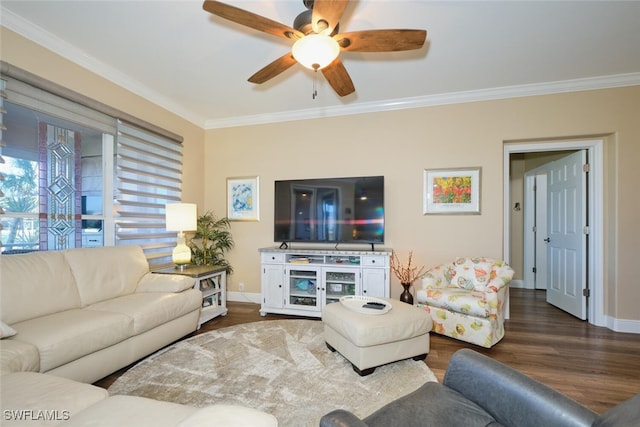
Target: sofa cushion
x=43 y=400
x=107 y=272
x=431 y=405
x=165 y=283
x=229 y=416
x=16 y=356
x=151 y=309
x=69 y=335
x=131 y=411
x=34 y=285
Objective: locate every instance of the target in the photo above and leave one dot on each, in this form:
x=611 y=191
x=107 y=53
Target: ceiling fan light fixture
x=315 y=51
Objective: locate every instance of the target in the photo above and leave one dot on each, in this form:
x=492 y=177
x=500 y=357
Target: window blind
x=26 y=95
x=148 y=176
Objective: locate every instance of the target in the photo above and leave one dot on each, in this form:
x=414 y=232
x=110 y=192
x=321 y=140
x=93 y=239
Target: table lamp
x=181 y=217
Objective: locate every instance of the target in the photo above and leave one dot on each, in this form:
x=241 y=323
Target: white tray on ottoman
x=367 y=341
x=357 y=303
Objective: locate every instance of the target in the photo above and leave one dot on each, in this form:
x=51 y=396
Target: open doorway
x=514 y=232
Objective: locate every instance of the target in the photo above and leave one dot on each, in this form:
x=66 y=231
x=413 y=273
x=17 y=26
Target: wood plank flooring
x=595 y=366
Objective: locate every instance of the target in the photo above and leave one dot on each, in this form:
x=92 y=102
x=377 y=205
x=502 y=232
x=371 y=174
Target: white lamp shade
x=181 y=216
x=315 y=51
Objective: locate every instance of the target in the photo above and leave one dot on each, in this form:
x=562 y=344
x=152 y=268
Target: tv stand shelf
x=302 y=281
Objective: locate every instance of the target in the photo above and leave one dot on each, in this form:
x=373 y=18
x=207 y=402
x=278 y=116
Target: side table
x=211 y=280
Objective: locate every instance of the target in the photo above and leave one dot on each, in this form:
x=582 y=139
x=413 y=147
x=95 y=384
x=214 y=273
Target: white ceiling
x=196 y=65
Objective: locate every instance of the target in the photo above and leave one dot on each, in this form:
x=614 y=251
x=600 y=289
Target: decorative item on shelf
x=407 y=274
x=181 y=217
x=211 y=241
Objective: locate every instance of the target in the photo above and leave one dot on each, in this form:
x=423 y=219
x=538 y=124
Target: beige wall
x=399 y=145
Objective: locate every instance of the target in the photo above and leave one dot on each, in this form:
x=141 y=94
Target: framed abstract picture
x=452 y=191
x=242 y=199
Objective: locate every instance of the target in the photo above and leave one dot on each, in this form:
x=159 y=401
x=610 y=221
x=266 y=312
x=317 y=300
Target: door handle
x=547 y=240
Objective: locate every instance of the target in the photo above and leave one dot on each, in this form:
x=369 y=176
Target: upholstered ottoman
x=372 y=340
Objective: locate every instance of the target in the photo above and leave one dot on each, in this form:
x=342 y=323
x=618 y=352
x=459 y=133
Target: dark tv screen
x=337 y=210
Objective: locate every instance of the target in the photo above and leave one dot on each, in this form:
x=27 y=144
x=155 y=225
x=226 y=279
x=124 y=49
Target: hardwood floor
x=595 y=366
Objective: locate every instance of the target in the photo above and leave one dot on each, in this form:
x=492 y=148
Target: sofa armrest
x=151 y=282
x=341 y=418
x=511 y=397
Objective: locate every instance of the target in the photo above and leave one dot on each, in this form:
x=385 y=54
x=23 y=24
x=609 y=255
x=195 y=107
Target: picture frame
x=243 y=198
x=452 y=191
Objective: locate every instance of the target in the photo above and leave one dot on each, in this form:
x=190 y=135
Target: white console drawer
x=273 y=258
x=375 y=260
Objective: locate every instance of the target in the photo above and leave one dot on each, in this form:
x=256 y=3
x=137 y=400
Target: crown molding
x=42 y=37
x=517 y=91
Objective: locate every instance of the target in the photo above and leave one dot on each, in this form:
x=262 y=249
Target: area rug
x=282 y=367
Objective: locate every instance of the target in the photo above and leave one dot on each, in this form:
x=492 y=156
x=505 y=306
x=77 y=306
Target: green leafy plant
x=211 y=241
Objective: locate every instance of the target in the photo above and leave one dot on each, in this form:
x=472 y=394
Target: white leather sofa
x=85 y=313
x=41 y=400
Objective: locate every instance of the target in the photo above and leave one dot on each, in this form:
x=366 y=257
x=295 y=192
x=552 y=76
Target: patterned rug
x=282 y=367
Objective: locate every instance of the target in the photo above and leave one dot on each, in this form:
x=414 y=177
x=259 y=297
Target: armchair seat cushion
x=432 y=405
x=458 y=300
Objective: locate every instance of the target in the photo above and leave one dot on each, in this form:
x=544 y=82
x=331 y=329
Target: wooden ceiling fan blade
x=327 y=12
x=381 y=40
x=338 y=78
x=251 y=20
x=276 y=67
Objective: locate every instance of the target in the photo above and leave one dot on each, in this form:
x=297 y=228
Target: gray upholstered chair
x=479 y=391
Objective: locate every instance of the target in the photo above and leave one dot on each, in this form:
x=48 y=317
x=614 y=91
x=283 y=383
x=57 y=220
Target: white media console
x=302 y=281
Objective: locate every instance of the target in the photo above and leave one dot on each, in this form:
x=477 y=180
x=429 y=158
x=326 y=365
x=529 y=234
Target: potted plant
x=211 y=240
x=407 y=274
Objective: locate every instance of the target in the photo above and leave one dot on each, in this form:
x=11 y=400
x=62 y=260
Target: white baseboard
x=623 y=325
x=243 y=297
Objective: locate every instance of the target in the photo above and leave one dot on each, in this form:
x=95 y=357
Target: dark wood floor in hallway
x=593 y=365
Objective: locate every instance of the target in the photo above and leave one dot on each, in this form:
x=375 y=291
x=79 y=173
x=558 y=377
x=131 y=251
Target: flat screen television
x=331 y=210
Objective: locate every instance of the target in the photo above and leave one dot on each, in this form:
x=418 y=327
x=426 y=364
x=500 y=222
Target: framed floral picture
x=452 y=191
x=242 y=199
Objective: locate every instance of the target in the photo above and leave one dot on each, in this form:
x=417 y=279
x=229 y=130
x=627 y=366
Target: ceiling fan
x=317 y=40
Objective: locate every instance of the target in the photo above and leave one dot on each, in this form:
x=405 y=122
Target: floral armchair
x=466 y=298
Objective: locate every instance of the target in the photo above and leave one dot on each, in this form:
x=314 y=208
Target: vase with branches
x=211 y=241
x=407 y=273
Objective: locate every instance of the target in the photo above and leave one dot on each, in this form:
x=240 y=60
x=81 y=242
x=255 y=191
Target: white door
x=567 y=235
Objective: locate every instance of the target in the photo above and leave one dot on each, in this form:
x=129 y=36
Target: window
x=77 y=177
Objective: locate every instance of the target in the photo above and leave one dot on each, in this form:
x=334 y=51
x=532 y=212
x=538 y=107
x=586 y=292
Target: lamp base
x=181 y=255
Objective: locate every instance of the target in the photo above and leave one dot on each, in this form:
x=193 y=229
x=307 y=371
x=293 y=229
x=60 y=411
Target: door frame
x=535 y=203
x=595 y=211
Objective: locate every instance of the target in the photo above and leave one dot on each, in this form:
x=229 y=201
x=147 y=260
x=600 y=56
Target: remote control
x=374 y=305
